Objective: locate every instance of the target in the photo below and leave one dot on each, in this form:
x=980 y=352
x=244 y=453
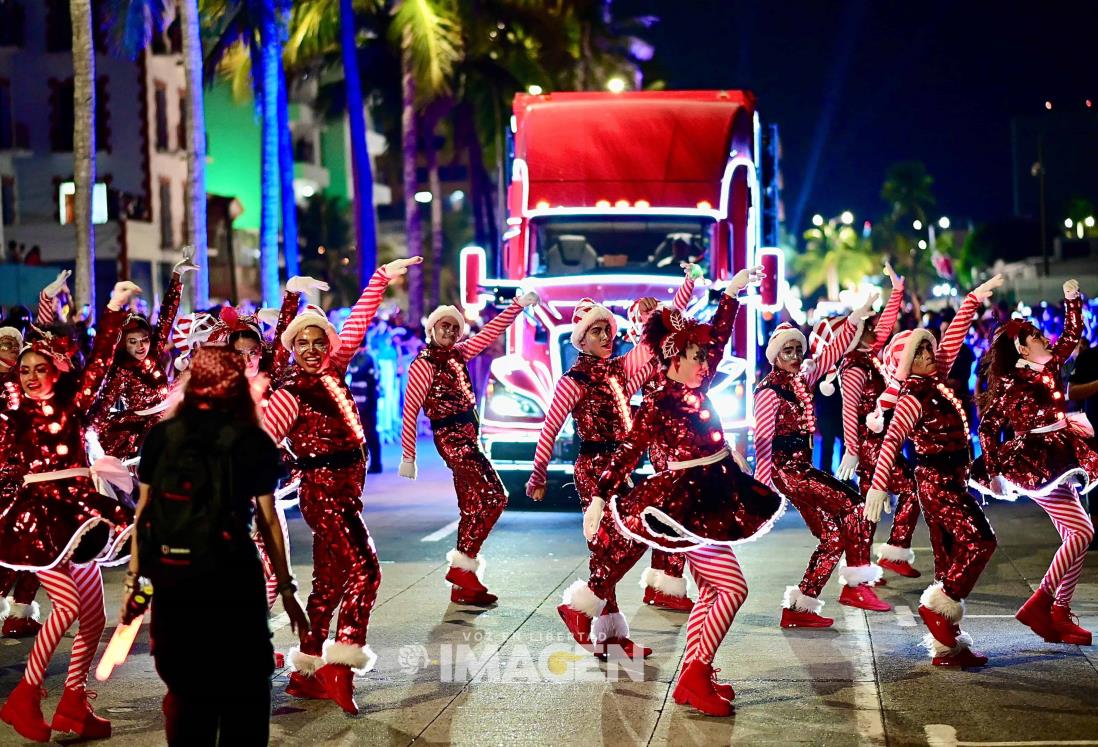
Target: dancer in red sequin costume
x=137 y=383
x=701 y=502
x=58 y=524
x=929 y=414
x=313 y=410
x=862 y=381
x=784 y=426
x=1048 y=458
x=439 y=384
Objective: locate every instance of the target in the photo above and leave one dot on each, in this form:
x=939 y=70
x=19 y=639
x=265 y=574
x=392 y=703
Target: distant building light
x=922 y=243
x=423 y=197
x=1048 y=105
x=817 y=220
x=847 y=218
x=1068 y=223
x=456 y=197
x=943 y=223
x=615 y=85
x=307 y=190
x=66 y=203
x=1089 y=221
x=917 y=224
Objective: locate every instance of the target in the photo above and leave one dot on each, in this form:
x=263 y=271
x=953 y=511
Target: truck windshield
x=582 y=245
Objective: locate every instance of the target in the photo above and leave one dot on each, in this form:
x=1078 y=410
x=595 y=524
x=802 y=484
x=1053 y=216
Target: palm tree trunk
x=412 y=228
x=361 y=169
x=286 y=176
x=832 y=283
x=435 y=185
x=83 y=148
x=196 y=150
x=269 y=169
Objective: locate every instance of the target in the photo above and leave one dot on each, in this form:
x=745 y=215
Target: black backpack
x=187 y=525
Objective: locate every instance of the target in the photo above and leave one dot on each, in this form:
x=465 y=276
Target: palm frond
x=130 y=24
x=430 y=33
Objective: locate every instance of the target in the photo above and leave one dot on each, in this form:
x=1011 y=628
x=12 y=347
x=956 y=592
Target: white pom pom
x=876 y=421
x=808 y=365
x=827 y=387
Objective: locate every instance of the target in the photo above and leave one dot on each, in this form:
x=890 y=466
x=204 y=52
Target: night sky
x=857 y=85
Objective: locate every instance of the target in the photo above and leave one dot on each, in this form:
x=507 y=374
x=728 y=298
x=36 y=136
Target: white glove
x=58 y=285
x=876 y=501
x=122 y=294
x=865 y=310
x=737 y=457
x=528 y=299
x=848 y=466
x=186 y=264
x=745 y=277
x=592 y=517
x=304 y=284
x=1071 y=289
x=408 y=468
x=984 y=291
x=895 y=279
x=399 y=267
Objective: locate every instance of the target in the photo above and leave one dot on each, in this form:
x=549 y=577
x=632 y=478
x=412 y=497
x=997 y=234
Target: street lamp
x=917 y=224
x=922 y=243
x=817 y=220
x=943 y=223
x=1089 y=221
x=847 y=218
x=1068 y=223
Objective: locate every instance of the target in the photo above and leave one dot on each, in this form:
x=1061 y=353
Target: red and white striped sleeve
x=766 y=418
x=280 y=414
x=420 y=375
x=475 y=345
x=889 y=314
x=831 y=353
x=853 y=384
x=565 y=397
x=47 y=310
x=907 y=414
x=637 y=380
x=636 y=359
x=954 y=336
x=684 y=293
x=354 y=329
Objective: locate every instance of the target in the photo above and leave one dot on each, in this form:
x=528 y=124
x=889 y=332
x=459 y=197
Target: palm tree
x=83 y=150
x=909 y=191
x=835 y=255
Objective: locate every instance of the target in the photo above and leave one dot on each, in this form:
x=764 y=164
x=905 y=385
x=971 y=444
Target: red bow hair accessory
x=52 y=347
x=684 y=331
x=1015 y=328
x=229 y=320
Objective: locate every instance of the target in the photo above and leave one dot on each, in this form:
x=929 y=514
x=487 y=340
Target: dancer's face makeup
x=38 y=376
x=923 y=364
x=1036 y=349
x=598 y=340
x=445 y=333
x=251 y=352
x=137 y=345
x=691 y=368
x=790 y=356
x=311 y=349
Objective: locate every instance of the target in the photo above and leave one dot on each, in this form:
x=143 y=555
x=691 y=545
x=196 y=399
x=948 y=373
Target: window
x=7 y=199
x=181 y=129
x=161 y=113
x=11 y=23
x=186 y=227
x=7 y=125
x=63 y=121
x=58 y=26
x=167 y=235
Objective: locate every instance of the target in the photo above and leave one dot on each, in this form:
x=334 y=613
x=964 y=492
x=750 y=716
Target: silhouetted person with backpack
x=203 y=474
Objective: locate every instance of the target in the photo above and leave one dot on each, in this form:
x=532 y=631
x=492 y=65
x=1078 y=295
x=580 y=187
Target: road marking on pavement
x=944 y=735
x=867 y=699
x=446 y=531
x=279 y=621
x=905 y=618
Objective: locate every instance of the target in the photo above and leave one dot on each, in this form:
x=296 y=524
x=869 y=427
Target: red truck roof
x=668 y=148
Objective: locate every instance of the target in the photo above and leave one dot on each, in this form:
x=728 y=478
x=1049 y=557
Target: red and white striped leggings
x=269 y=577
x=722 y=589
x=76 y=595
x=1076 y=530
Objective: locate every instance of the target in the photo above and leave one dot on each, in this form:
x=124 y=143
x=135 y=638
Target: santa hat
x=783 y=333
x=444 y=312
x=897 y=363
x=311 y=316
x=586 y=313
x=822 y=334
x=12 y=332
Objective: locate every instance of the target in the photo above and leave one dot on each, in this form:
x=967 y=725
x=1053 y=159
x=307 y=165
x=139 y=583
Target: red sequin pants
x=902 y=485
x=480 y=494
x=345 y=567
x=960 y=534
x=832 y=511
x=612 y=553
x=671 y=563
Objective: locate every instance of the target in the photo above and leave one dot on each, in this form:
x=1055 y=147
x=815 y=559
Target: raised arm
x=354 y=329
x=626 y=457
x=852 y=385
x=954 y=336
x=891 y=312
x=831 y=352
x=108 y=333
x=280 y=356
x=169 y=307
x=565 y=397
x=907 y=414
x=420 y=375
x=766 y=416
x=1073 y=324
x=473 y=346
x=686 y=290
x=280 y=414
x=47 y=299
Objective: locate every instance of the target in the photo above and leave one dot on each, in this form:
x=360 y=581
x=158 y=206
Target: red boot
x=303 y=686
x=458 y=595
x=1036 y=613
x=901 y=567
x=649 y=594
x=695 y=688
x=466 y=579
x=21 y=627
x=863 y=597
x=801 y=619
x=578 y=624
x=74 y=714
x=339 y=684
x=723 y=689
x=467 y=588
x=964 y=657
x=23 y=710
x=627 y=647
x=1067 y=627
x=944 y=631
x=667 y=601
x=280 y=660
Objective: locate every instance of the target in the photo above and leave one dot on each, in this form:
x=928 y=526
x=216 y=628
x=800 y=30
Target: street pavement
x=453 y=674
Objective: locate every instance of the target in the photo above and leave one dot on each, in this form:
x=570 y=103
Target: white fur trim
x=875 y=420
x=903 y=366
x=458 y=559
x=12 y=332
x=31 y=610
x=778 y=340
x=612 y=625
x=934 y=648
x=5 y=608
x=886 y=551
x=935 y=599
x=311 y=318
x=305 y=663
x=444 y=312
x=579 y=597
x=663 y=583
x=795 y=599
x=860 y=575
x=360 y=659
x=598 y=312
x=827 y=384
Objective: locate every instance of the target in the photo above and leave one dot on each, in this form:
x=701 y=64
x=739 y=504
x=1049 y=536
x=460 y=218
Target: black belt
x=944 y=459
x=790 y=442
x=595 y=448
x=468 y=416
x=335 y=460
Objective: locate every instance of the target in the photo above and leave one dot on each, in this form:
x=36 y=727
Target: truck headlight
x=507 y=403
